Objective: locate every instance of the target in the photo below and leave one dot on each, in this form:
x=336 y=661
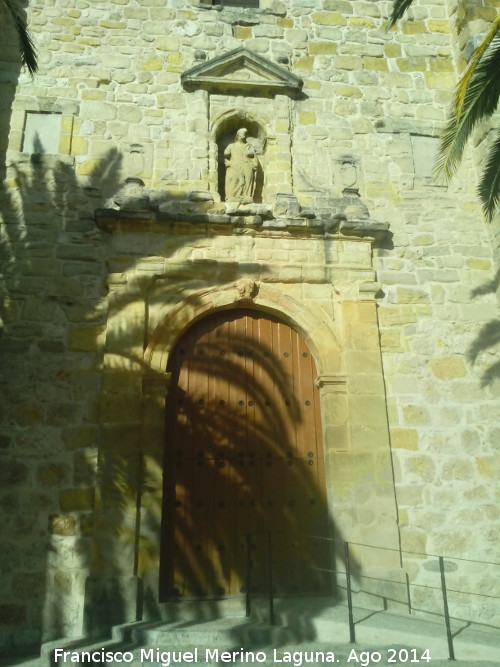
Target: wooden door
x=244 y=457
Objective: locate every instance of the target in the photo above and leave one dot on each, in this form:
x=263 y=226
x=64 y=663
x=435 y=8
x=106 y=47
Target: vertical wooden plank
x=248 y=439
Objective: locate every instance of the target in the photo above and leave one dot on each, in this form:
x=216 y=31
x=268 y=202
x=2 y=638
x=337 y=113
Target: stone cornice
x=111 y=220
x=344 y=218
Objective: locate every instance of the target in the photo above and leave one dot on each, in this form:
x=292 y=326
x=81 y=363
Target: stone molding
x=330 y=223
x=335 y=381
x=242 y=70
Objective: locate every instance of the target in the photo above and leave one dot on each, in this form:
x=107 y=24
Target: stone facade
x=115 y=237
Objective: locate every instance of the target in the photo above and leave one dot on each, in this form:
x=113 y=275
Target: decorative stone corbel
x=247 y=289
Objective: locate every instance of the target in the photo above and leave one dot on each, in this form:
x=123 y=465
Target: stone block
x=76 y=500
x=348 y=62
x=322 y=48
x=12 y=614
x=362 y=362
x=422 y=466
x=113 y=25
x=62 y=524
x=121 y=437
x=439 y=25
x=440 y=80
x=93 y=94
x=361 y=336
x=367 y=409
x=328 y=18
x=413 y=27
x=397 y=315
x=488 y=466
x=77 y=437
x=392 y=50
x=366 y=384
x=413 y=541
x=404 y=438
x=120 y=408
x=447 y=368
x=86 y=338
x=95 y=110
x=129 y=113
x=408 y=295
x=367 y=437
x=479 y=264
x=140 y=13
x=52 y=474
x=13 y=473
x=413 y=64
x=439 y=64
x=307 y=118
x=414 y=414
x=242 y=32
x=375 y=64
x=305 y=62
x=336 y=439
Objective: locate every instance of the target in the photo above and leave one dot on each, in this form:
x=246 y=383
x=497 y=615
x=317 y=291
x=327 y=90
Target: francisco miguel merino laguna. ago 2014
x=297 y=658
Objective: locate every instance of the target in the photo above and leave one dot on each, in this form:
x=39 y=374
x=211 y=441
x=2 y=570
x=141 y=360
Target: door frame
x=345 y=344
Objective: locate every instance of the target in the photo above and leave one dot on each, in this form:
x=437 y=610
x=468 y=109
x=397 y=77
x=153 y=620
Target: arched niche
x=224 y=134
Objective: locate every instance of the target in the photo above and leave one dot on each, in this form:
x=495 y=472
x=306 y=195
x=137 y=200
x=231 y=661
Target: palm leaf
x=489 y=187
x=28 y=51
x=476 y=57
x=479 y=102
x=398 y=9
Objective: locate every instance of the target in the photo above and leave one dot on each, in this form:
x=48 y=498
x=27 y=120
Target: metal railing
x=349 y=576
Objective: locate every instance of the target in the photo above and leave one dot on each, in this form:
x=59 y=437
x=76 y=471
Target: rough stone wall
x=373 y=105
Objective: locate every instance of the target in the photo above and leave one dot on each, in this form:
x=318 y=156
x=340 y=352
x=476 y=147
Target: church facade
x=242 y=320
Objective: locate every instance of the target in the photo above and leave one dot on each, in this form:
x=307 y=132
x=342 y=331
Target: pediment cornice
x=242 y=71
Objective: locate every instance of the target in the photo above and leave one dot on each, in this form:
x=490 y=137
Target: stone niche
x=244 y=90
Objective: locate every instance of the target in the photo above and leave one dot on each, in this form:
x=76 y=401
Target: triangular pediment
x=242 y=70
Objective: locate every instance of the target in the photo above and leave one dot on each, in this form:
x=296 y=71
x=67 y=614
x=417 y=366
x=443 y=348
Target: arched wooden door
x=244 y=456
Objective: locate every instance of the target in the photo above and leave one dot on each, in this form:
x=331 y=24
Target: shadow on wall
x=488 y=337
x=10 y=68
x=52 y=280
x=55 y=455
x=244 y=458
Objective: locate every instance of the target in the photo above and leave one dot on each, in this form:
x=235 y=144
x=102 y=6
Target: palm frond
x=463 y=84
x=28 y=50
x=489 y=186
x=479 y=102
x=399 y=7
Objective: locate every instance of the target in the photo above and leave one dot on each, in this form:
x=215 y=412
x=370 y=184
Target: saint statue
x=241 y=169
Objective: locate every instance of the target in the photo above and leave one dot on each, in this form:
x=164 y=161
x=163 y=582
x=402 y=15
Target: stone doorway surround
x=313 y=270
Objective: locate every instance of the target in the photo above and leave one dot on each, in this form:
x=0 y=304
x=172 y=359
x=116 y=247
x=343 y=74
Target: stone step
x=189 y=631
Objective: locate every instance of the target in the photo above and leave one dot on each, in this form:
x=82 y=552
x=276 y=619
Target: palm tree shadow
x=489 y=335
x=245 y=479
x=48 y=184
